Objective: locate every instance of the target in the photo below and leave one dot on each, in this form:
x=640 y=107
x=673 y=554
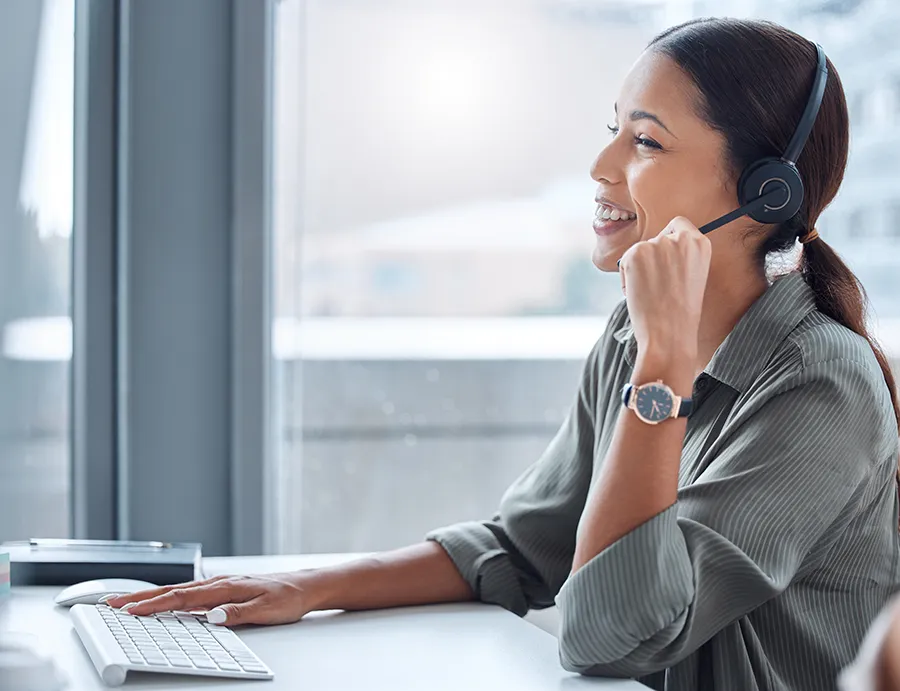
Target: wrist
x=330 y=587
x=318 y=587
x=675 y=369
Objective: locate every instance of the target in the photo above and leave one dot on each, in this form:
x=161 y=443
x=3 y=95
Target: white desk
x=465 y=647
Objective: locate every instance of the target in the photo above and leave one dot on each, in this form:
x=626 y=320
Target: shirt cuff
x=636 y=588
x=483 y=564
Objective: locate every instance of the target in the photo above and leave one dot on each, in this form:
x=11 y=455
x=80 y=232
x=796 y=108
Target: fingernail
x=216 y=616
x=107 y=598
x=127 y=607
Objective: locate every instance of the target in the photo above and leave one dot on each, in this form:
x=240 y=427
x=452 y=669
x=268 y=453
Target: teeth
x=609 y=213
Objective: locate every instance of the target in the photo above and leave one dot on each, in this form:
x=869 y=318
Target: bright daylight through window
x=36 y=123
x=434 y=290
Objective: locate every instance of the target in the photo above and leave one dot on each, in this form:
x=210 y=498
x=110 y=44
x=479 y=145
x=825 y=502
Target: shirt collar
x=750 y=345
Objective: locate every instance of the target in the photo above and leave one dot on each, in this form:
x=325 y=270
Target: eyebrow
x=644 y=115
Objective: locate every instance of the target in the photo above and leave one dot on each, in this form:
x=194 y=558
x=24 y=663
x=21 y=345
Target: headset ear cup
x=760 y=177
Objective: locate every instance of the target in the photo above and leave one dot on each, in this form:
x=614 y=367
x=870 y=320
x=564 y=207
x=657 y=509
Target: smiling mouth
x=607 y=212
x=611 y=219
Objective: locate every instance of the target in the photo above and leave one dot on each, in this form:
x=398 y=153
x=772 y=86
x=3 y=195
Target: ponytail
x=840 y=295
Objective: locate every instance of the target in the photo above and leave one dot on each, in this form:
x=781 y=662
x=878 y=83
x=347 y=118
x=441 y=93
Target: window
x=36 y=123
x=893 y=220
x=434 y=291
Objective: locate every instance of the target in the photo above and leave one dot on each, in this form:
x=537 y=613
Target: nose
x=606 y=168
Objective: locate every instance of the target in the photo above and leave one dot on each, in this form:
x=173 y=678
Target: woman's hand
x=664 y=280
x=231 y=600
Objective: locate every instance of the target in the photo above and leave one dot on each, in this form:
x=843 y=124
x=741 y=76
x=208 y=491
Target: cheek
x=661 y=191
x=656 y=193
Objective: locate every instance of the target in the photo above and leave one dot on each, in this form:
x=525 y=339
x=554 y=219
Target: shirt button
x=701 y=384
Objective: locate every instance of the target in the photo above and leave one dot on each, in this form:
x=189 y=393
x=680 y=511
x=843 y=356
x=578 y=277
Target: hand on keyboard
x=231 y=600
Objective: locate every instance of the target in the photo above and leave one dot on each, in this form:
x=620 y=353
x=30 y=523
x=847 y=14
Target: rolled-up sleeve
x=801 y=453
x=521 y=557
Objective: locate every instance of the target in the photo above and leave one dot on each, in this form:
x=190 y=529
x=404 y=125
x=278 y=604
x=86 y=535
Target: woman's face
x=663 y=161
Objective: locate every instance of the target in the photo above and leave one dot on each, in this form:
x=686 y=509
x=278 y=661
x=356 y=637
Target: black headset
x=770 y=190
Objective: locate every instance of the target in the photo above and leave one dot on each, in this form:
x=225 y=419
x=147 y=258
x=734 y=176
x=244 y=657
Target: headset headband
x=801 y=134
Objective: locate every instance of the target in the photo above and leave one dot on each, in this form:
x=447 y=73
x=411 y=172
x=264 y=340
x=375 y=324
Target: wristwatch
x=655 y=402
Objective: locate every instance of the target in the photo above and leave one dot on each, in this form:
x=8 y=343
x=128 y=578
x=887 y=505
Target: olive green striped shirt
x=781 y=548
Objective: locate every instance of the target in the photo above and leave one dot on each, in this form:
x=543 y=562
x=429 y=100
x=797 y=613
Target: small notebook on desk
x=65 y=562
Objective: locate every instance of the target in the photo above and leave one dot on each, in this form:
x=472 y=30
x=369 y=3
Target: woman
x=746 y=547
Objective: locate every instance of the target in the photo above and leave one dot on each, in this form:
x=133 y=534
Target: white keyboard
x=173 y=643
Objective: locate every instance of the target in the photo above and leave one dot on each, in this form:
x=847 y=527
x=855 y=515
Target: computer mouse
x=90 y=592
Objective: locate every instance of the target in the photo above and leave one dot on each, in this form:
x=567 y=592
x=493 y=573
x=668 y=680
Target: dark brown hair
x=755 y=78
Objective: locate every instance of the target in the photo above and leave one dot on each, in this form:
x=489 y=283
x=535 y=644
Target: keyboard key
x=230 y=643
x=202 y=661
x=256 y=668
x=205 y=664
x=181 y=662
x=178 y=640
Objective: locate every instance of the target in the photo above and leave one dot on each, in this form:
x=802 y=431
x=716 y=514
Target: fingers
x=624 y=264
x=680 y=224
x=237 y=613
x=197 y=597
x=144 y=595
x=120 y=600
x=686 y=236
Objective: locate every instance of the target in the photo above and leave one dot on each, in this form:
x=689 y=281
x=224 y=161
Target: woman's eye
x=639 y=140
x=649 y=143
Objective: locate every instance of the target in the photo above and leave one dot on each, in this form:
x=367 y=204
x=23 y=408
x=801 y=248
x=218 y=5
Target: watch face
x=653 y=403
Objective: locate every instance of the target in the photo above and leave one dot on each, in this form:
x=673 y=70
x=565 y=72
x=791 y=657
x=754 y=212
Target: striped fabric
x=781 y=548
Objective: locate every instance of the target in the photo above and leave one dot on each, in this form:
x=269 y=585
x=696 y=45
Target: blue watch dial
x=653 y=403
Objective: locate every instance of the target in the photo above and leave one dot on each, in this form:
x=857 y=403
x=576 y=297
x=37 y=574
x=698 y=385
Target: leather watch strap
x=686 y=407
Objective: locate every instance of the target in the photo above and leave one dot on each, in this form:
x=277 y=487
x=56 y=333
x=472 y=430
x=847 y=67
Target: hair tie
x=809 y=236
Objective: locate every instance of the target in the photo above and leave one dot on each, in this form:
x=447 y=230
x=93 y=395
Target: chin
x=605 y=260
